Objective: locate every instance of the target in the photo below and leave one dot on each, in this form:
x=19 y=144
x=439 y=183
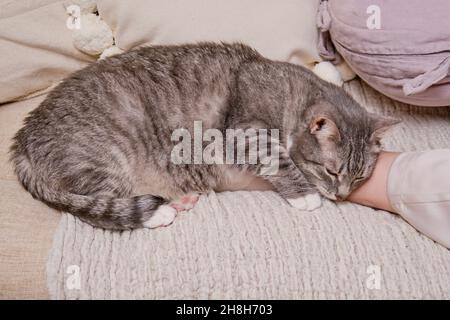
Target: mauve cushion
x=407 y=59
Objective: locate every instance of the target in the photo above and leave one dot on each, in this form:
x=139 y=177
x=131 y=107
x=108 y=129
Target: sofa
x=232 y=245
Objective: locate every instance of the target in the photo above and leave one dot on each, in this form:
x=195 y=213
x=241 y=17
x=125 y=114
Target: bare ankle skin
x=373 y=193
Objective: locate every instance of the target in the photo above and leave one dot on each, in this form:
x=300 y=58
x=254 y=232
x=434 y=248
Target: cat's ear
x=380 y=125
x=324 y=129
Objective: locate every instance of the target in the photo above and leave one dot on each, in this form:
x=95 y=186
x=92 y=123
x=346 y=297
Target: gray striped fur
x=105 y=130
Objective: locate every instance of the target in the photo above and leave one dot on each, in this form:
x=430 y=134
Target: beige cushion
x=36 y=47
x=27 y=226
x=280 y=30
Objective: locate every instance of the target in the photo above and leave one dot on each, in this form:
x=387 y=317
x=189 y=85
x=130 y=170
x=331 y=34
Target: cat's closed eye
x=331 y=173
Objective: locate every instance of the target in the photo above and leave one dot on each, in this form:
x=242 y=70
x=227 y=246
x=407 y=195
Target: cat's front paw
x=308 y=203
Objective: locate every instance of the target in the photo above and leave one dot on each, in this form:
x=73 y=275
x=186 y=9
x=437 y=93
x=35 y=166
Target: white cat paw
x=162 y=217
x=308 y=203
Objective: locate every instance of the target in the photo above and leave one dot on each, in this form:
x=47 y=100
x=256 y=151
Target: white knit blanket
x=251 y=245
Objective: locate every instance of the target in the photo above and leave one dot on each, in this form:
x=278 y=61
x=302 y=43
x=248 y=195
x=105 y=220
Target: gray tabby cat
x=102 y=137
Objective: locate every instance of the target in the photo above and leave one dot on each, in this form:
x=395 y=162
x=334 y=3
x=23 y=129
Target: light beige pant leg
x=419 y=190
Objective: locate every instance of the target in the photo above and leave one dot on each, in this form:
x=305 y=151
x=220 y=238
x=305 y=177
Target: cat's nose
x=331 y=197
x=343 y=193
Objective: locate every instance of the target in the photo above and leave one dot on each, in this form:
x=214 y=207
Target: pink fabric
x=419 y=191
x=408 y=58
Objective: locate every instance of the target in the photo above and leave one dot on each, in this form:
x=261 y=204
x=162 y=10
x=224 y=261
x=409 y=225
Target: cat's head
x=337 y=150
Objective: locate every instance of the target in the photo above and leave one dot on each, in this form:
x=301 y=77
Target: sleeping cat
x=99 y=146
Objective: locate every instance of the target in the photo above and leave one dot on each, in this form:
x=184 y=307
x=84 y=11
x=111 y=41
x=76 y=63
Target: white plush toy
x=94 y=37
x=334 y=74
x=328 y=72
